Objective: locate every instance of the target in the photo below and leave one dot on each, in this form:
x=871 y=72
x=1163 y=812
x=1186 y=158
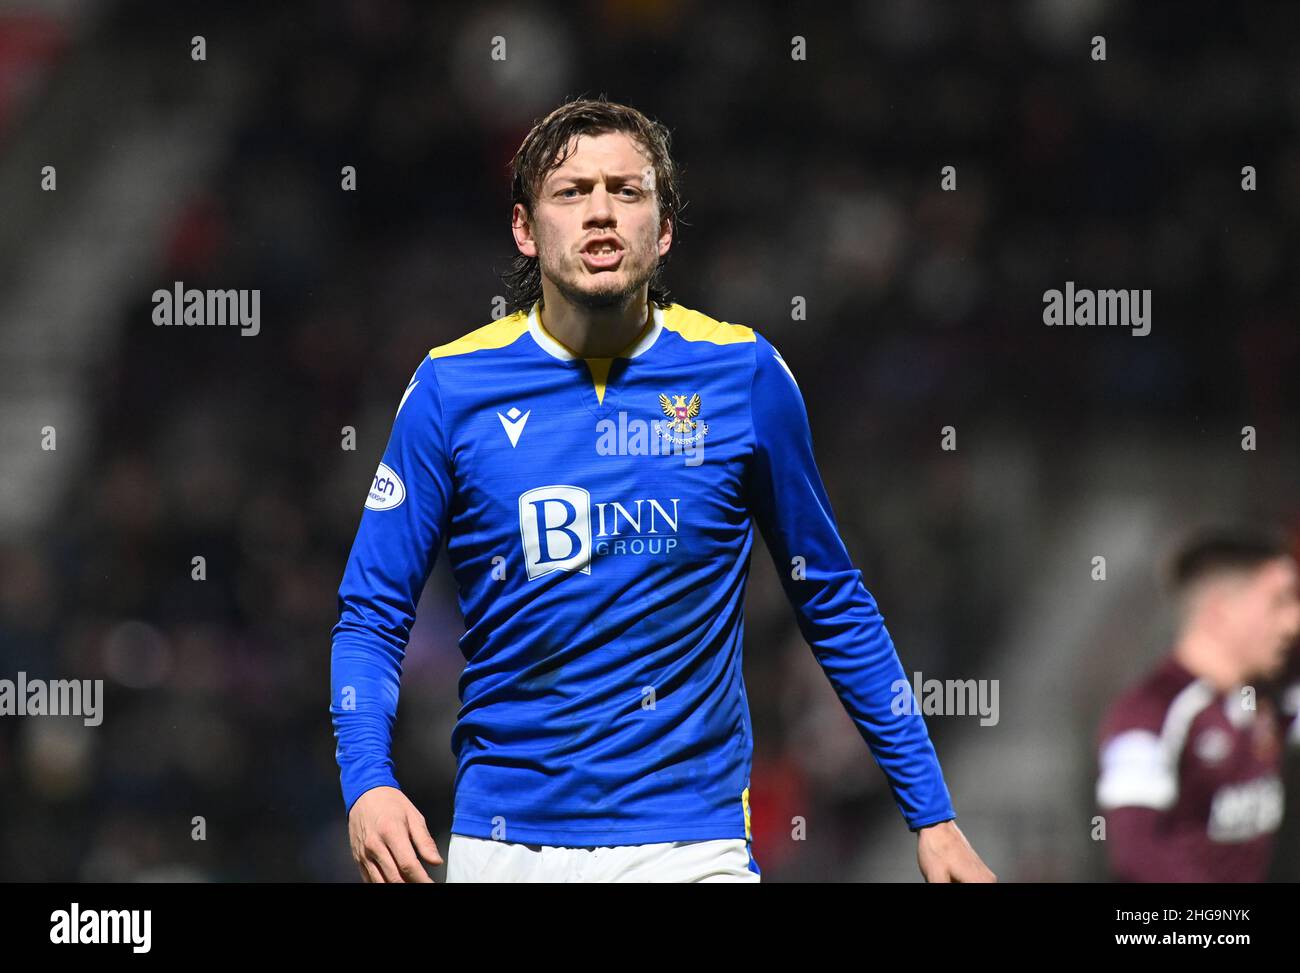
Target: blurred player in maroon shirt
x=1190 y=758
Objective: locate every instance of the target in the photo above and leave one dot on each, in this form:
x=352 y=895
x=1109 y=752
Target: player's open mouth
x=602 y=255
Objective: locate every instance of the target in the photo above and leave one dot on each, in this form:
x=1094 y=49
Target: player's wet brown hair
x=546 y=148
x=1223 y=550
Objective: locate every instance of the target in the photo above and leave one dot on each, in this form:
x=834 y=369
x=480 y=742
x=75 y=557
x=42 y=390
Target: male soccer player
x=1190 y=757
x=595 y=462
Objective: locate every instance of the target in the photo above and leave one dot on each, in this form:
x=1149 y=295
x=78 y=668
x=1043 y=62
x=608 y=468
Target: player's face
x=601 y=197
x=1265 y=614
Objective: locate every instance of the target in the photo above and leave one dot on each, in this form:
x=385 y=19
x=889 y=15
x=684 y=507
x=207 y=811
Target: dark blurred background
x=817 y=179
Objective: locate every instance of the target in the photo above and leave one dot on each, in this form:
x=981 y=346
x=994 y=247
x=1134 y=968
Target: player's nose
x=599 y=205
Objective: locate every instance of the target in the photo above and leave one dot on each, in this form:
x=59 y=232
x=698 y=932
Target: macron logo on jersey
x=514 y=426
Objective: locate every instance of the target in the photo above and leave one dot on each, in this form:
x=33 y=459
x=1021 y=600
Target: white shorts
x=485 y=860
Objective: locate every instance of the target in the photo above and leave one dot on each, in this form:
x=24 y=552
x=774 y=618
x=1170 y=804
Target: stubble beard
x=636 y=270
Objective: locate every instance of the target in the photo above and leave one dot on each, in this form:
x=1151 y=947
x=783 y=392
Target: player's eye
x=571 y=189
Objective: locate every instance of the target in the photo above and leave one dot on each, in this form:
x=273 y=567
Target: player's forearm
x=364 y=680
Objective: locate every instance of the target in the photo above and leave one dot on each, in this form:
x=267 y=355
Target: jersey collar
x=557 y=350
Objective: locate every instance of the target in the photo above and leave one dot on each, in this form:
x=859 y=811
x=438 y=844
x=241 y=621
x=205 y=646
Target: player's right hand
x=387 y=833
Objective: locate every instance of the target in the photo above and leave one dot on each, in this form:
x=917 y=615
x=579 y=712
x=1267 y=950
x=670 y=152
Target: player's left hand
x=945 y=855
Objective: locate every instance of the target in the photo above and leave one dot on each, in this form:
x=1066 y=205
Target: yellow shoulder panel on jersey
x=694 y=326
x=498 y=334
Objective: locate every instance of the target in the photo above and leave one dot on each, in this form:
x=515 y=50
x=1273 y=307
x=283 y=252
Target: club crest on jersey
x=681 y=419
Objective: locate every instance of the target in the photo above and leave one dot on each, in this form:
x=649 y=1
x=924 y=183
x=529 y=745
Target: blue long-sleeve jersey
x=598 y=515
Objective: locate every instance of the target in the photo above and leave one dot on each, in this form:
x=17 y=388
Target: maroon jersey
x=1190 y=779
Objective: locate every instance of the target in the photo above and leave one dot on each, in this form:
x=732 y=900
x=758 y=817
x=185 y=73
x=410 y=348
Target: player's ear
x=521 y=227
x=665 y=236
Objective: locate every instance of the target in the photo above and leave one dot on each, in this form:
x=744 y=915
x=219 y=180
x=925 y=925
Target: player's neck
x=594 y=332
x=1205 y=657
